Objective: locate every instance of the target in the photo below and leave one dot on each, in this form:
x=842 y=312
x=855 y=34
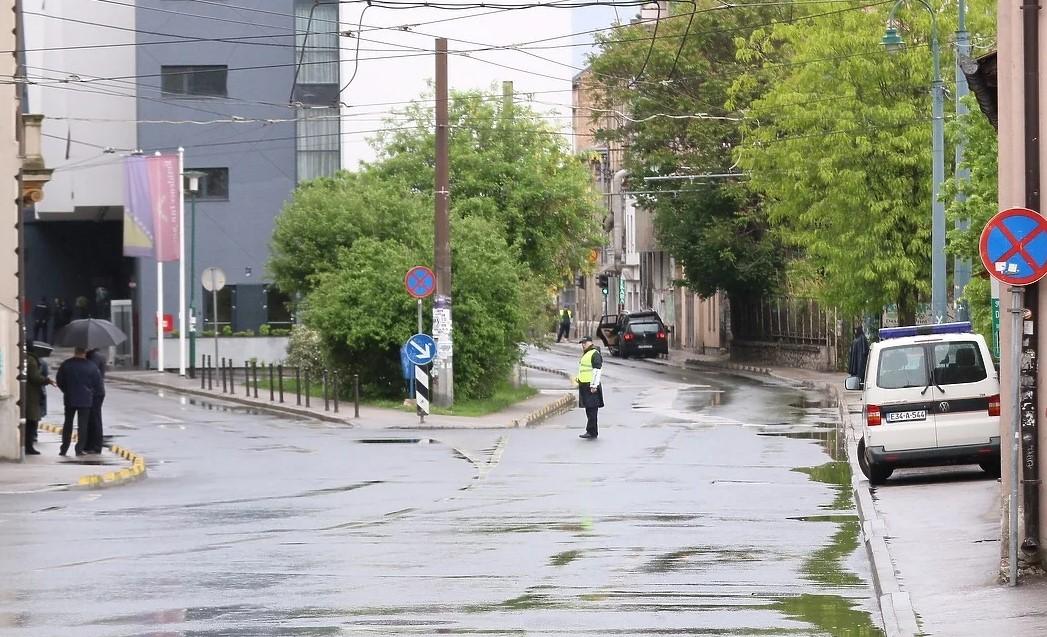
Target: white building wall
x=84 y=176
x=10 y=449
x=365 y=103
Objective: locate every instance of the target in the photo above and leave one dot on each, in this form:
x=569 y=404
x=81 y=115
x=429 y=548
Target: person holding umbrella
x=94 y=427
x=82 y=381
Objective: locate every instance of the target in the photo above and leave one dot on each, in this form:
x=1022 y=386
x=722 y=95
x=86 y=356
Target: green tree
x=522 y=213
x=839 y=146
x=509 y=166
x=675 y=90
x=979 y=203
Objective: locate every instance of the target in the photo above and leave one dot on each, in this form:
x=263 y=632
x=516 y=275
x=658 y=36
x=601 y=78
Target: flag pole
x=181 y=263
x=159 y=306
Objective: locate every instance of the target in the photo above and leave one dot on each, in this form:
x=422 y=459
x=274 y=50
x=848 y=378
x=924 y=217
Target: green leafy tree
x=839 y=146
x=522 y=213
x=509 y=166
x=675 y=91
x=979 y=203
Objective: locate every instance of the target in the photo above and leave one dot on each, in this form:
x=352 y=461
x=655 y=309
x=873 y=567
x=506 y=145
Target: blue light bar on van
x=961 y=327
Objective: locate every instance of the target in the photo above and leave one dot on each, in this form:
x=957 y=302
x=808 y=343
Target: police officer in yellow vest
x=590 y=391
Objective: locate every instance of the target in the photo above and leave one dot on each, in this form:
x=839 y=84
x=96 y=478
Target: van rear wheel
x=876 y=473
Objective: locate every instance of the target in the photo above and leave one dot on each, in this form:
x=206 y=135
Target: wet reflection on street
x=710 y=505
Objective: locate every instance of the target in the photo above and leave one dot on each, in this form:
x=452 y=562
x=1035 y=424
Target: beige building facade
x=641 y=275
x=10 y=442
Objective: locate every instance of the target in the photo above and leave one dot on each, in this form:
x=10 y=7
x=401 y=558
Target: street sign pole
x=214 y=311
x=419 y=316
x=1012 y=501
x=1013 y=248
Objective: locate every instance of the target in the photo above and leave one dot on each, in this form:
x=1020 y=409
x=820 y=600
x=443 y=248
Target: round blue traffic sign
x=1013 y=246
x=420 y=349
x=420 y=282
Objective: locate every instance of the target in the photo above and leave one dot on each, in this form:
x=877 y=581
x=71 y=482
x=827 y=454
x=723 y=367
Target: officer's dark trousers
x=564 y=331
x=590 y=420
x=94 y=427
x=83 y=418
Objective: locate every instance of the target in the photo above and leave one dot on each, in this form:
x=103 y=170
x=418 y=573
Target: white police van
x=931 y=397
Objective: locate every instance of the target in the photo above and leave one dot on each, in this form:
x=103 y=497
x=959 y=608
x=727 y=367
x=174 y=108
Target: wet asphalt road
x=710 y=505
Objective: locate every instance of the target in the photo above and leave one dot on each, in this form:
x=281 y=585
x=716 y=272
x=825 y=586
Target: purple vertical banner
x=165 y=187
x=138 y=209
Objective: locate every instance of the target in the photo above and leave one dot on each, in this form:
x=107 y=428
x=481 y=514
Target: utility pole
x=961 y=265
x=443 y=390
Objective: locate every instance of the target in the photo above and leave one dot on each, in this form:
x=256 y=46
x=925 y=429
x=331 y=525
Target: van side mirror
x=853 y=383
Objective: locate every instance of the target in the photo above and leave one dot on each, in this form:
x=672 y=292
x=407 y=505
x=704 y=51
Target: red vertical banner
x=165 y=189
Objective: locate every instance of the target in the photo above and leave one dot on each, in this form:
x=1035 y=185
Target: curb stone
x=112 y=478
x=562 y=404
x=282 y=410
x=548 y=370
x=899 y=617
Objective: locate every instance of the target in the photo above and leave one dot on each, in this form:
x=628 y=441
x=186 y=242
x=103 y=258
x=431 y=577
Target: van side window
x=958 y=362
x=901 y=367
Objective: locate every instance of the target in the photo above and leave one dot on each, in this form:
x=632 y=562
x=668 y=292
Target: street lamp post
x=961 y=273
x=892 y=40
x=192 y=178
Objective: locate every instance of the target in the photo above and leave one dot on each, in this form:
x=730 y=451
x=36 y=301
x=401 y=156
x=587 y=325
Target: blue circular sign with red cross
x=420 y=281
x=1013 y=246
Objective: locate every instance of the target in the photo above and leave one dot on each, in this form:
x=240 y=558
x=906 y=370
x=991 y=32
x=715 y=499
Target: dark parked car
x=634 y=334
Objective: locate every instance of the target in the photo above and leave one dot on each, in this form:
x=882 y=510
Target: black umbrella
x=90 y=333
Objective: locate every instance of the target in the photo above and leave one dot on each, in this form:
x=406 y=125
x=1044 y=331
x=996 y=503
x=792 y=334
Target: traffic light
x=602 y=281
x=579 y=282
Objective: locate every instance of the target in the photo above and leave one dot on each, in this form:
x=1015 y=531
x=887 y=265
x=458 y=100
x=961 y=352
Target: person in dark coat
x=859 y=354
x=41 y=315
x=79 y=380
x=94 y=427
x=36 y=382
x=565 y=324
x=590 y=390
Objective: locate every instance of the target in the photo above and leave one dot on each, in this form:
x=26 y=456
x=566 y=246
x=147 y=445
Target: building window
x=225 y=308
x=278 y=308
x=213 y=185
x=318 y=148
x=201 y=81
x=316 y=41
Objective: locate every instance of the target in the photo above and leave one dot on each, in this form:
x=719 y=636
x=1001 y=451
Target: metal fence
x=788 y=320
x=279 y=384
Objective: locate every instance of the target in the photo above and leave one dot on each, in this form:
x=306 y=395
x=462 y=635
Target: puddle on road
x=565 y=558
x=830 y=613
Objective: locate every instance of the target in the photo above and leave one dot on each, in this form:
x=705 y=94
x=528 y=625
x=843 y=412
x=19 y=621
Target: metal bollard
x=334 y=390
x=323 y=383
x=356 y=395
x=271 y=388
x=298 y=385
x=307 y=389
x=254 y=372
x=280 y=379
x=247 y=379
x=223 y=372
x=210 y=373
x=203 y=370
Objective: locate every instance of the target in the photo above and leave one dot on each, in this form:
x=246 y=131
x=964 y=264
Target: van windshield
x=958 y=362
x=902 y=367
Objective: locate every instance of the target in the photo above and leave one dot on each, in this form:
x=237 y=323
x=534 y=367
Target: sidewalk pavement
x=523 y=414
x=51 y=472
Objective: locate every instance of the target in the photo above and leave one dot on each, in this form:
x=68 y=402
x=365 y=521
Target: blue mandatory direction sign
x=420 y=349
x=1013 y=246
x=420 y=282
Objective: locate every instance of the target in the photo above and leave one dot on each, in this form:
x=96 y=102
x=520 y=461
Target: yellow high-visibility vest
x=585 y=367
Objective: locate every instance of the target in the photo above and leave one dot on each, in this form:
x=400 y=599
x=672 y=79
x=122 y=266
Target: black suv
x=634 y=334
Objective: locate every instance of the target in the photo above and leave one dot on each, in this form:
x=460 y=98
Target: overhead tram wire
x=523 y=45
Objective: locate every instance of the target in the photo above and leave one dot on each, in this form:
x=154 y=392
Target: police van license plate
x=907 y=416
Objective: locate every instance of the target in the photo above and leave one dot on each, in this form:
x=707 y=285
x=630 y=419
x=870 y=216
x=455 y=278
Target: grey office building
x=273 y=122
